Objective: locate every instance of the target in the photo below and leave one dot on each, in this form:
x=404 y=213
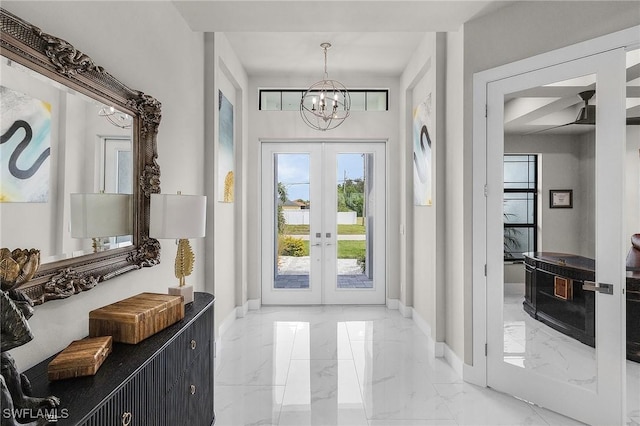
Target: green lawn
x=351 y=230
x=296 y=230
x=342 y=229
x=346 y=249
x=351 y=249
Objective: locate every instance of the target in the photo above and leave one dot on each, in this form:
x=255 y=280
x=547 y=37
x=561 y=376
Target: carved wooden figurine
x=18 y=406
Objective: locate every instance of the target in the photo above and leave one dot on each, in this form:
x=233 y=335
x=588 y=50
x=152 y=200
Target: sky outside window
x=293 y=172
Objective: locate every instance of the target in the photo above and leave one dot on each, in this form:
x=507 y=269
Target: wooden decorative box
x=81 y=358
x=136 y=318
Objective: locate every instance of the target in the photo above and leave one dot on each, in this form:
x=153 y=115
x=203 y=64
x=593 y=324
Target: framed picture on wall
x=561 y=198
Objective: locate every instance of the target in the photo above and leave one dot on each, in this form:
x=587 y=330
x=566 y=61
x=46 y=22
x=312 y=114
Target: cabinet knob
x=193 y=344
x=192 y=388
x=126 y=418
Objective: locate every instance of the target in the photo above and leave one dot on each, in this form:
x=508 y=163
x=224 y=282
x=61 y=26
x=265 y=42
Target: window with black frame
x=520 y=212
x=289 y=99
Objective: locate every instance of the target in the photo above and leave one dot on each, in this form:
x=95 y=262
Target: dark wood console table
x=571 y=312
x=633 y=316
x=166 y=379
x=554 y=296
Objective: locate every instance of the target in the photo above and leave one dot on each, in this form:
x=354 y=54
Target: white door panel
x=343 y=223
x=528 y=357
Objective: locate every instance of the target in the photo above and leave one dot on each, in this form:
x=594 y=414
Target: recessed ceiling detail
x=567 y=107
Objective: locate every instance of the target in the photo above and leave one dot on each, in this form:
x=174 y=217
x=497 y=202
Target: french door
x=559 y=343
x=323 y=223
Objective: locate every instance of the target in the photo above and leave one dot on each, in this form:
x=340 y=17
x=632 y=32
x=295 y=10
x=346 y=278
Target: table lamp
x=177 y=216
x=100 y=215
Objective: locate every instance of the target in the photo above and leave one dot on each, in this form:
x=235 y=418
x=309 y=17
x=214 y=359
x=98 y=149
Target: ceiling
x=377 y=38
x=373 y=37
x=549 y=109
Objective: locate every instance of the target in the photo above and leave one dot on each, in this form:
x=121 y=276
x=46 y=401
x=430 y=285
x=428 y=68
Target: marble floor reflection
x=355 y=366
x=528 y=343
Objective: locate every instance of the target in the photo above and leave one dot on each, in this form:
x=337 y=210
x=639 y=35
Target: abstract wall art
x=25 y=146
x=423 y=144
x=225 y=150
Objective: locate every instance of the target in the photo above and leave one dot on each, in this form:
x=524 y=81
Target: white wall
x=288 y=126
x=455 y=237
x=226 y=253
x=423 y=226
x=584 y=196
x=515 y=32
x=425 y=242
x=565 y=162
x=415 y=71
x=632 y=183
x=137 y=54
x=301 y=217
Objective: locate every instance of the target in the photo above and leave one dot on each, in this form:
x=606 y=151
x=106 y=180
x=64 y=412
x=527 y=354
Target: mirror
x=78 y=160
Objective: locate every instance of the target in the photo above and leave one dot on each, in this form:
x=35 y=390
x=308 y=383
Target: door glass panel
x=354 y=221
x=549 y=230
x=117 y=166
x=292 y=216
x=632 y=227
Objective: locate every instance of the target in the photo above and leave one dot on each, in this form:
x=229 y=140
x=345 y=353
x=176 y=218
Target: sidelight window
x=520 y=205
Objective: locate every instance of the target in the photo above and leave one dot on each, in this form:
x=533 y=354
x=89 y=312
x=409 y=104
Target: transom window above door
x=289 y=99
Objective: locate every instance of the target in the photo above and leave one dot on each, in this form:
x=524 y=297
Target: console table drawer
x=137 y=402
x=192 y=395
x=189 y=345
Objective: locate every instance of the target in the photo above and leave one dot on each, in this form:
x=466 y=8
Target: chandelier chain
x=326 y=74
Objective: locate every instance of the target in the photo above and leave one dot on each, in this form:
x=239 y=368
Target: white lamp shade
x=177 y=216
x=101 y=215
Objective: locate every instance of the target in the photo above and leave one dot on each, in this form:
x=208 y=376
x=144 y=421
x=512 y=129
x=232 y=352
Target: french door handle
x=599 y=287
x=316 y=244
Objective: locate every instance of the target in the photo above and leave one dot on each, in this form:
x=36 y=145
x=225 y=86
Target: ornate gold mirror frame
x=59 y=60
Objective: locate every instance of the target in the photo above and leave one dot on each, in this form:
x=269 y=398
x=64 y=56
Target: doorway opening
x=323 y=222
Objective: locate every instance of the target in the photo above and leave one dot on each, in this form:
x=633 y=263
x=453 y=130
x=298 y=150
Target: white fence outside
x=301 y=217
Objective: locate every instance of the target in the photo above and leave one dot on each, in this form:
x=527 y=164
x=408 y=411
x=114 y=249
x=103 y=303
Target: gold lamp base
x=183 y=267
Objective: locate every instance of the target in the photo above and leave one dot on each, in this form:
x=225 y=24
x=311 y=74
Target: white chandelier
x=115 y=117
x=326 y=104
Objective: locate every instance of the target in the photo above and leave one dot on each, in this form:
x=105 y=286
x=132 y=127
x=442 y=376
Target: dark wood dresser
x=554 y=296
x=633 y=316
x=165 y=380
x=571 y=312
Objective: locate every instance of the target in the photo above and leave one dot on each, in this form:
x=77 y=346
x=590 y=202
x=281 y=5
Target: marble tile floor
x=530 y=344
x=352 y=366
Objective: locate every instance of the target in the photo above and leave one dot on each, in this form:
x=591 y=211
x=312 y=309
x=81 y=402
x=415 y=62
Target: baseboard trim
x=241 y=311
x=254 y=304
x=224 y=326
x=436 y=347
x=392 y=304
x=454 y=361
x=406 y=311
